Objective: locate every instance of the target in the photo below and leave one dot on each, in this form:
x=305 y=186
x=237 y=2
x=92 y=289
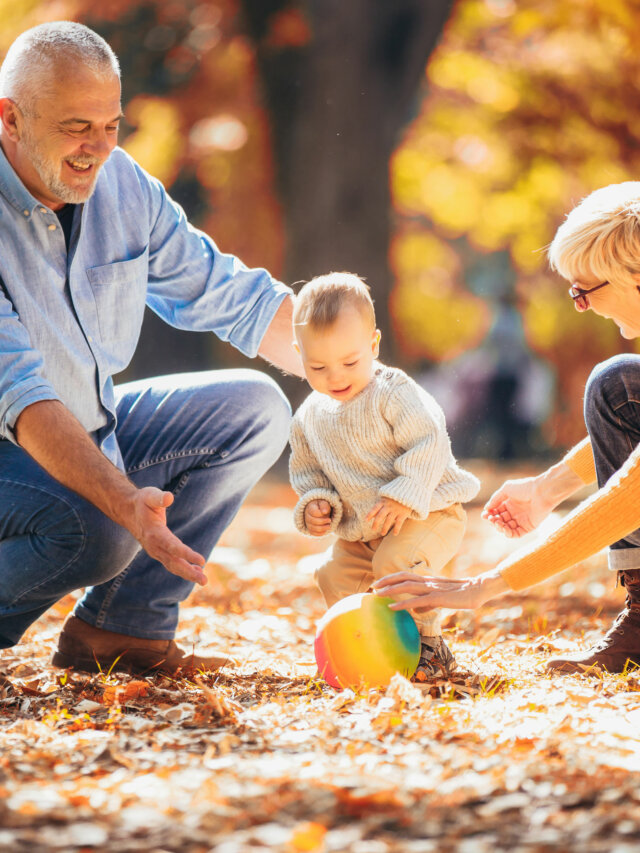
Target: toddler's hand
x=388 y=514
x=317 y=517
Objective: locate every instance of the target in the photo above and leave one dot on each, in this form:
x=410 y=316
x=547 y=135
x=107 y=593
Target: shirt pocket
x=120 y=290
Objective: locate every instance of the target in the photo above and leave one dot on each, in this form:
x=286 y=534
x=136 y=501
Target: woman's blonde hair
x=320 y=300
x=600 y=238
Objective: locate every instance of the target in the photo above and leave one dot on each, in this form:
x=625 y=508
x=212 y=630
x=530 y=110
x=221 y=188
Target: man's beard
x=49 y=172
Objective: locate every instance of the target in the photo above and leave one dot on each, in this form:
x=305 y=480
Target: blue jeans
x=612 y=415
x=206 y=437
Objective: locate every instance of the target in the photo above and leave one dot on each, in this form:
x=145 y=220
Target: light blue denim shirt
x=69 y=321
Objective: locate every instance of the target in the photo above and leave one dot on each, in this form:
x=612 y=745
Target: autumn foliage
x=524 y=109
x=264 y=756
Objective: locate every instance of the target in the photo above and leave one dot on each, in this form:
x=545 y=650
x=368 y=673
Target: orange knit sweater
x=608 y=515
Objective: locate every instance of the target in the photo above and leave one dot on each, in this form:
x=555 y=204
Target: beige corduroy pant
x=424 y=547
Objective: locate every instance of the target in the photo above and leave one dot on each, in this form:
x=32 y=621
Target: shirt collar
x=12 y=188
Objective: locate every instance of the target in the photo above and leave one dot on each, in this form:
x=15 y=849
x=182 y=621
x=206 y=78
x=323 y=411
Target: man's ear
x=10 y=119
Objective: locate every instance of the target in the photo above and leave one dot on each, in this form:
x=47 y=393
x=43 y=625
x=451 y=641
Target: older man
x=120 y=490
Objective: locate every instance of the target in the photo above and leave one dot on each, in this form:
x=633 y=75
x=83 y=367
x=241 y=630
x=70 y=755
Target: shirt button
x=43 y=210
x=51 y=227
x=25 y=212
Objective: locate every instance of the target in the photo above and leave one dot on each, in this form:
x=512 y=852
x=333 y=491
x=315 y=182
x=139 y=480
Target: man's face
x=62 y=147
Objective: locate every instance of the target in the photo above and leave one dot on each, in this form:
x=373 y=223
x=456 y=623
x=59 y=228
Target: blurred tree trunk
x=338 y=104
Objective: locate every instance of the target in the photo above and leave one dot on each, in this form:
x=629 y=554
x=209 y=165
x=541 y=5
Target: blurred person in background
x=120 y=490
x=597 y=250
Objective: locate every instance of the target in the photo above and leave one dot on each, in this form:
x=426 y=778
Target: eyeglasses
x=581 y=297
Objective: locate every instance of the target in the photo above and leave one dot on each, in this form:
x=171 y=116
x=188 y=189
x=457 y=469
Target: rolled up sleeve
x=195 y=286
x=21 y=379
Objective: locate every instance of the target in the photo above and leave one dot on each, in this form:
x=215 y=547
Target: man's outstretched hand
x=60 y=444
x=149 y=527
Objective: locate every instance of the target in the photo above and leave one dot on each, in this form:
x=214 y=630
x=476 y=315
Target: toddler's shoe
x=436 y=660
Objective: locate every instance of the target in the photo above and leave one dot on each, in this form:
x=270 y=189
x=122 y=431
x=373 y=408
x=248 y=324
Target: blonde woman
x=597 y=250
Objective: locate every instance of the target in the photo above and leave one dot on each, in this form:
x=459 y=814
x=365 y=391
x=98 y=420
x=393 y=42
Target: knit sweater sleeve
x=309 y=480
x=607 y=516
x=580 y=460
x=419 y=430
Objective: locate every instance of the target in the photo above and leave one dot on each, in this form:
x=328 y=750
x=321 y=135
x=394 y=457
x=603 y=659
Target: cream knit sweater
x=389 y=440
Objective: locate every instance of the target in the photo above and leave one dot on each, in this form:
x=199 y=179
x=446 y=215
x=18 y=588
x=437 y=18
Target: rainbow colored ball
x=361 y=643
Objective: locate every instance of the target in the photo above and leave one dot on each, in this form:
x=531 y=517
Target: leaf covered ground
x=264 y=756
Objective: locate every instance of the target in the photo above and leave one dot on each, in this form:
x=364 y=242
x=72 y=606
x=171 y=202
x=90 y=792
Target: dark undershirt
x=65 y=216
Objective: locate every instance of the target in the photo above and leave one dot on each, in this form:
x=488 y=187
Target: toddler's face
x=338 y=360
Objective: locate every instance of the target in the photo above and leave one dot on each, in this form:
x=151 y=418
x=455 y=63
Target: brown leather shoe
x=619 y=649
x=83 y=647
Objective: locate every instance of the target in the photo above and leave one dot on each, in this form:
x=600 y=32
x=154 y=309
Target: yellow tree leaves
x=157 y=141
x=436 y=315
x=528 y=107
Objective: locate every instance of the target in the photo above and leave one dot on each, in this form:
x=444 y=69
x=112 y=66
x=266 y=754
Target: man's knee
x=611 y=385
x=109 y=550
x=73 y=547
x=268 y=412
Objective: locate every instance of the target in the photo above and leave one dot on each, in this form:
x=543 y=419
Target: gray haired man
x=118 y=490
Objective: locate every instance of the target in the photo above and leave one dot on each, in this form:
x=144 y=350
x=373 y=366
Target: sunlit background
x=433 y=147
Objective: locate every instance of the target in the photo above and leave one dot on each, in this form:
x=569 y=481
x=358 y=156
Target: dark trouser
x=612 y=415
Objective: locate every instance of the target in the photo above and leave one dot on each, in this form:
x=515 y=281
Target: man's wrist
x=120 y=500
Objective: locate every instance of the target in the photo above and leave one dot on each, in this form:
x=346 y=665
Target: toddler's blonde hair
x=601 y=236
x=320 y=300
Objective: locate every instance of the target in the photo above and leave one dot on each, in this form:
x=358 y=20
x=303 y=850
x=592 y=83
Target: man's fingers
x=179 y=551
x=174 y=555
x=181 y=561
x=157 y=498
x=188 y=571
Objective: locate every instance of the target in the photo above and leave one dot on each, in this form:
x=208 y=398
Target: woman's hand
x=519 y=506
x=427 y=593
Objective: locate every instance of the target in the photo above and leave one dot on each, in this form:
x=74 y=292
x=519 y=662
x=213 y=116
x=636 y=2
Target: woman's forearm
x=580 y=460
x=557 y=484
x=490 y=585
x=604 y=518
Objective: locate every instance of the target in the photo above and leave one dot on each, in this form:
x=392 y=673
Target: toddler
x=370 y=458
